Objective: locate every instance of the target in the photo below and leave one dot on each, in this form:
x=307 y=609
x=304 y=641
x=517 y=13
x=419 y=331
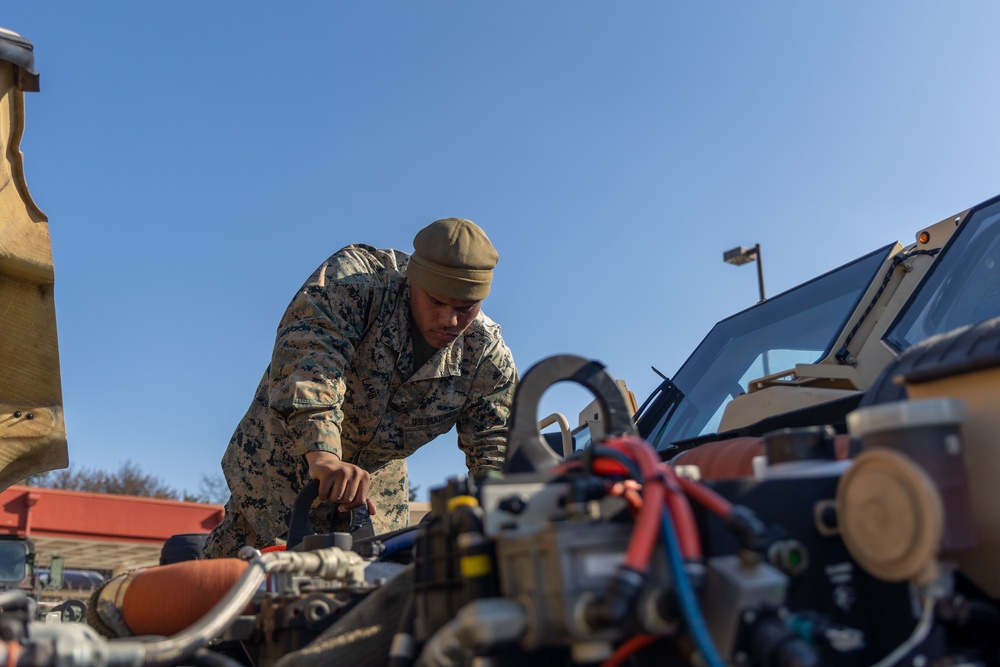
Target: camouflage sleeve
x=315 y=345
x=482 y=428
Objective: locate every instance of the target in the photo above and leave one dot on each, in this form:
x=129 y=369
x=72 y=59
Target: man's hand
x=340 y=482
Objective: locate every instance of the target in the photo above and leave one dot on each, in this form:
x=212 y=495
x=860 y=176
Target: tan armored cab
x=32 y=429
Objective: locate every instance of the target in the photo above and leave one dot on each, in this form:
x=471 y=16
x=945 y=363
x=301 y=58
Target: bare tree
x=212 y=490
x=128 y=480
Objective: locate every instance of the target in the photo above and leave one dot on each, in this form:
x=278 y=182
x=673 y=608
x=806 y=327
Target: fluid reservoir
x=890 y=516
x=928 y=432
x=905 y=498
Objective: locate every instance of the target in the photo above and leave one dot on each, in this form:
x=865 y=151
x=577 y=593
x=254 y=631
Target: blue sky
x=198 y=160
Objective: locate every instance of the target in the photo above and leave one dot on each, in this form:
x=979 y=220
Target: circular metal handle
x=527 y=450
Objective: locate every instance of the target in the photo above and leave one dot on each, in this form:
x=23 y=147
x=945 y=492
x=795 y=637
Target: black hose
x=205 y=658
x=13 y=600
x=403 y=651
x=975 y=622
x=974 y=612
x=299 y=524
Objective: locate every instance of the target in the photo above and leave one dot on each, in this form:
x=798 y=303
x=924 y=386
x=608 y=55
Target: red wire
x=631 y=496
x=607 y=466
x=661 y=486
x=602 y=466
x=634 y=644
x=13 y=652
x=564 y=468
x=684 y=523
x=647 y=523
x=703 y=495
x=680 y=509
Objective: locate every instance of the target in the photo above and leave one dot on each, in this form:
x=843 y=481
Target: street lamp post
x=741 y=255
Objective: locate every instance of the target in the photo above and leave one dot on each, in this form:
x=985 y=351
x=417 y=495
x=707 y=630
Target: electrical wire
x=680 y=509
x=623 y=652
x=685 y=595
x=643 y=540
x=683 y=517
x=659 y=485
x=604 y=461
x=920 y=633
x=664 y=504
x=628 y=491
x=703 y=495
x=628 y=466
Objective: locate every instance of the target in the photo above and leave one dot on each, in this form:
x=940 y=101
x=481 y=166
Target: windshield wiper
x=663 y=401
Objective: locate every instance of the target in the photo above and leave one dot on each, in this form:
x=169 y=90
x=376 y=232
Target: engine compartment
x=614 y=556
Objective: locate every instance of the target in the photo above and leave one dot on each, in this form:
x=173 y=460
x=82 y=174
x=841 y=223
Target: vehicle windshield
x=796 y=327
x=962 y=288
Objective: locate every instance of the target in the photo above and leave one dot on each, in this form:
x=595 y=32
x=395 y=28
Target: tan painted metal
x=776 y=400
x=32 y=429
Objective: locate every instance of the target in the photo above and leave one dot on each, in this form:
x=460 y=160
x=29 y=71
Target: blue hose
x=686 y=597
x=401 y=541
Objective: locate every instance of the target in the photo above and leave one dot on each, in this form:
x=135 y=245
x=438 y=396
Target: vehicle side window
x=12 y=562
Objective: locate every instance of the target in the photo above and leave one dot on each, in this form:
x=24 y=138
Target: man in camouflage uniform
x=377 y=354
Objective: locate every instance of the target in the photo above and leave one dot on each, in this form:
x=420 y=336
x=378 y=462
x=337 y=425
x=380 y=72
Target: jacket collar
x=397 y=335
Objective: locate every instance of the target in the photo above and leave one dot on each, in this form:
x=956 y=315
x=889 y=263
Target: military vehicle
x=17 y=564
x=814 y=486
x=53 y=590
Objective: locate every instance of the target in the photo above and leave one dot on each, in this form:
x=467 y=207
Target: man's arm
x=313 y=349
x=483 y=425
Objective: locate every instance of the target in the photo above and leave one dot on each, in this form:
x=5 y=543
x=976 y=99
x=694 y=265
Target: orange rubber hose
x=167 y=599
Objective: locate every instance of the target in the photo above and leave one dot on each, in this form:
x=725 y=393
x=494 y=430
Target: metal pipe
x=477 y=628
x=564 y=429
x=760 y=271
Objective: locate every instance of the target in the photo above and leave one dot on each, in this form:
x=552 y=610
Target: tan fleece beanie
x=453 y=258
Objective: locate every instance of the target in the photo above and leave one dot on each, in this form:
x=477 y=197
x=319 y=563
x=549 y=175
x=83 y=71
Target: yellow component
x=475 y=566
x=890 y=516
x=461 y=501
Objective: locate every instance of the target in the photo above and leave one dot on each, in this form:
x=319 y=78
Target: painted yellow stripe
x=475 y=566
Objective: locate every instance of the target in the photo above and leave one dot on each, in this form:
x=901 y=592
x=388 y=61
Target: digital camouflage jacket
x=341 y=380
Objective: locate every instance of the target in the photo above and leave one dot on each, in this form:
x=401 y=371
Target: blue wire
x=685 y=594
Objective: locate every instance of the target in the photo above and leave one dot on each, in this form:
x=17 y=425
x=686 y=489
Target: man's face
x=441 y=319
